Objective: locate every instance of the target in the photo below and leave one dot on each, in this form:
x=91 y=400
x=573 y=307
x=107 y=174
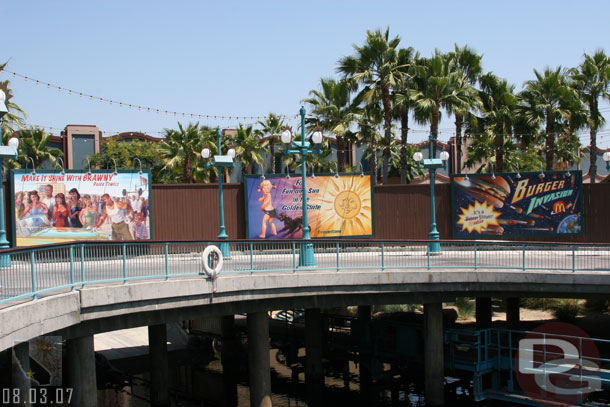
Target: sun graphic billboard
x=338 y=206
x=54 y=207
x=517 y=205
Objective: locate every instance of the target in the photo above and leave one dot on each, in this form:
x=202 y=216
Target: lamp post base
x=306 y=255
x=434 y=248
x=225 y=250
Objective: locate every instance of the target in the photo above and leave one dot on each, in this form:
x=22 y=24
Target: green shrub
x=567 y=309
x=465 y=307
x=544 y=304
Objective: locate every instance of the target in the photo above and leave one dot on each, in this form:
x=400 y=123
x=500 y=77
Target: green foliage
x=567 y=309
x=395 y=308
x=124 y=153
x=33 y=143
x=181 y=156
x=249 y=148
x=465 y=307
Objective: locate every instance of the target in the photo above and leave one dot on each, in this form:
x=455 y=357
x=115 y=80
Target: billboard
x=338 y=206
x=517 y=205
x=54 y=207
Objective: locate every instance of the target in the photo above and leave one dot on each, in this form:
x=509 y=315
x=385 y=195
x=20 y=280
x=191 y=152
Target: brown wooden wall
x=190 y=212
x=186 y=212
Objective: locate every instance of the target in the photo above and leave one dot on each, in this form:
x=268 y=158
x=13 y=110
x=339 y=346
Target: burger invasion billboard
x=517 y=205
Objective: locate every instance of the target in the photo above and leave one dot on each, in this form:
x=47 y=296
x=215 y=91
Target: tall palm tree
x=333 y=112
x=180 y=150
x=34 y=143
x=368 y=134
x=402 y=104
x=249 y=148
x=466 y=63
x=376 y=67
x=547 y=101
x=498 y=113
x=592 y=81
x=272 y=126
x=437 y=87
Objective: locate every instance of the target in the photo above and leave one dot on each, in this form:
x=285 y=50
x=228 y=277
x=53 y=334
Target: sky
x=248 y=58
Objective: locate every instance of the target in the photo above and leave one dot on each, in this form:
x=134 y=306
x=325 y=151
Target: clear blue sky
x=248 y=58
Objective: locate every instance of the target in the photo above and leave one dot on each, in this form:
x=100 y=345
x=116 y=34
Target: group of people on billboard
x=126 y=216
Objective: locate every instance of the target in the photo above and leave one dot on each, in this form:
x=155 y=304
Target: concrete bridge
x=78 y=290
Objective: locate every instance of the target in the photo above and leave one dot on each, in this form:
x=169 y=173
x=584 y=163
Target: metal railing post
x=338 y=267
x=573 y=259
x=294 y=258
x=166 y=261
x=124 y=245
x=33 y=274
x=82 y=265
x=71 y=268
x=523 y=255
x=251 y=257
x=383 y=257
x=475 y=256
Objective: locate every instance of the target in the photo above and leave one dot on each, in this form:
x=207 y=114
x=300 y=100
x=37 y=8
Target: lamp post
x=306 y=254
x=431 y=164
x=6 y=152
x=220 y=161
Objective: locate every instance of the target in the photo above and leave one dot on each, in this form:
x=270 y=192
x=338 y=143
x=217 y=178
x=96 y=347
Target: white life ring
x=209 y=271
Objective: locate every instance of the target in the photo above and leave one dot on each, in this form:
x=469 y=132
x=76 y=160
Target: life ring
x=209 y=271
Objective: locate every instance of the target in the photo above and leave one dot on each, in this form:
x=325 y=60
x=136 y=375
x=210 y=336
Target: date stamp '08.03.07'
x=40 y=396
x=37 y=375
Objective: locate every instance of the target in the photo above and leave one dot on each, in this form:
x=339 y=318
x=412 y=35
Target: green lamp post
x=6 y=152
x=306 y=253
x=431 y=164
x=220 y=161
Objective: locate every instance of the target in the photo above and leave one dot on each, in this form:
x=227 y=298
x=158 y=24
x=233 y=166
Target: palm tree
x=402 y=105
x=34 y=143
x=376 y=67
x=548 y=99
x=498 y=113
x=333 y=112
x=180 y=151
x=14 y=119
x=272 y=126
x=592 y=81
x=369 y=135
x=467 y=65
x=249 y=148
x=437 y=87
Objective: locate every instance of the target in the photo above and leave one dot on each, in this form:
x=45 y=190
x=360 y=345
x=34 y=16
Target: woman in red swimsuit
x=60 y=212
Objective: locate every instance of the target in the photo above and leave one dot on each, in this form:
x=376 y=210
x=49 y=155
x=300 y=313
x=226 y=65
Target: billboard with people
x=517 y=205
x=54 y=207
x=338 y=206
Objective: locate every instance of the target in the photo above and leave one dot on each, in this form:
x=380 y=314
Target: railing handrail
x=315 y=241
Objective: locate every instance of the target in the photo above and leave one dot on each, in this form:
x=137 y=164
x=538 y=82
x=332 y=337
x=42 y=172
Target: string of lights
x=147 y=109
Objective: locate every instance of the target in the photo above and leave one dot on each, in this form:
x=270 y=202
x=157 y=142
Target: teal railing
x=36 y=271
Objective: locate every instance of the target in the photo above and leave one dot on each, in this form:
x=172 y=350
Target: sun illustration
x=346 y=208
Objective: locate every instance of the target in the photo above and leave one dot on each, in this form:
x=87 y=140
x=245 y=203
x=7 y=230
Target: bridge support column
x=258 y=359
x=314 y=370
x=365 y=362
x=5 y=368
x=229 y=356
x=81 y=371
x=433 y=354
x=512 y=312
x=483 y=312
x=21 y=367
x=159 y=369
